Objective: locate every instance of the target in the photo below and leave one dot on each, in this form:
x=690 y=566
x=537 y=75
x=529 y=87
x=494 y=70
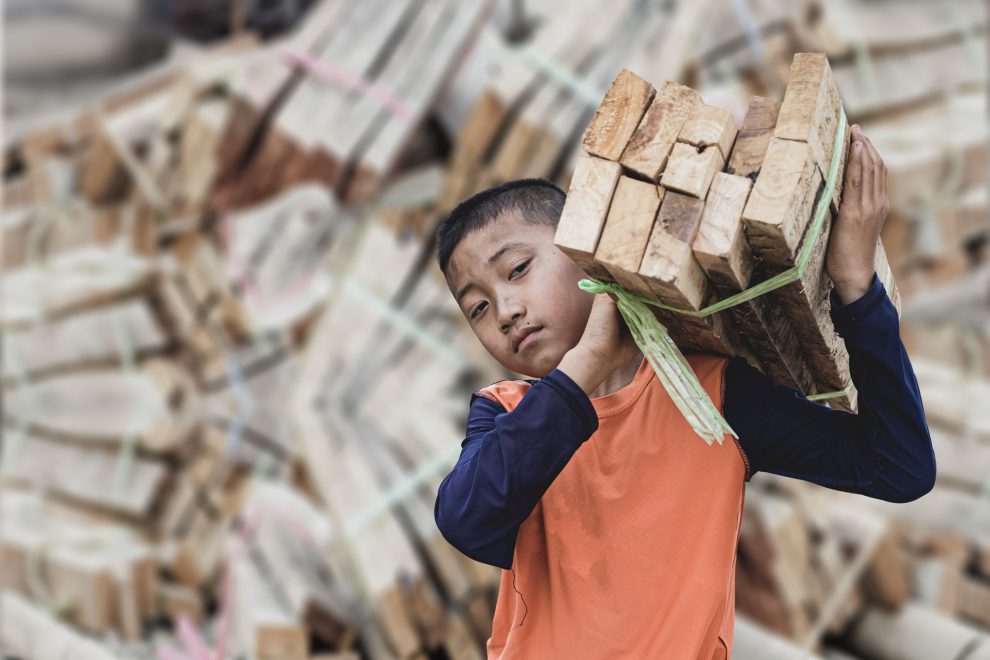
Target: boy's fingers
x=878 y=166
x=866 y=172
x=854 y=171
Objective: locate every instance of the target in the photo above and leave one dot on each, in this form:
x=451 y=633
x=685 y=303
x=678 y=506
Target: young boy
x=615 y=525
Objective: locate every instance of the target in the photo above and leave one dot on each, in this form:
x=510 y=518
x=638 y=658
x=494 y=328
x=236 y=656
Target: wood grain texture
x=710 y=126
x=586 y=210
x=690 y=170
x=651 y=143
x=676 y=279
x=618 y=115
x=751 y=144
x=627 y=231
x=811 y=110
x=724 y=254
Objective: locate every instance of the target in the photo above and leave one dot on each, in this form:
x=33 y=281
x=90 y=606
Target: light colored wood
x=654 y=138
x=690 y=170
x=916 y=632
x=810 y=113
x=780 y=205
x=754 y=137
x=585 y=211
x=31 y=633
x=618 y=115
x=673 y=275
x=627 y=230
x=423 y=85
x=710 y=126
x=723 y=252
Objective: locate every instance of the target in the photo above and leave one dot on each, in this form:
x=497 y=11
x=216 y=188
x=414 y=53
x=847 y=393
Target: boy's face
x=511 y=279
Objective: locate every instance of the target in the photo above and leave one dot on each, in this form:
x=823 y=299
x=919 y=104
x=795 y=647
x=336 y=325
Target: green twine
x=663 y=355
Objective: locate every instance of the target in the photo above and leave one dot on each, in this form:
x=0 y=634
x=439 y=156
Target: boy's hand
x=605 y=345
x=849 y=259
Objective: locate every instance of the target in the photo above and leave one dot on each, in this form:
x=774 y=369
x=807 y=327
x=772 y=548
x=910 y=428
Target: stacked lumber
x=888 y=580
x=676 y=203
x=340 y=101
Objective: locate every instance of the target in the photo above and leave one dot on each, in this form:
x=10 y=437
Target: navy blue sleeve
x=507 y=461
x=884 y=452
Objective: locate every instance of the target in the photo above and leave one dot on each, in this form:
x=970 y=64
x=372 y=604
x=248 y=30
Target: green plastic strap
x=668 y=362
x=663 y=355
x=561 y=75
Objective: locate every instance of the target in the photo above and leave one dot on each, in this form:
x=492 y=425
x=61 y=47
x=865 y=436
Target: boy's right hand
x=606 y=345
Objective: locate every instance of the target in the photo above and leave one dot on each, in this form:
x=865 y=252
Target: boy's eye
x=520 y=267
x=474 y=312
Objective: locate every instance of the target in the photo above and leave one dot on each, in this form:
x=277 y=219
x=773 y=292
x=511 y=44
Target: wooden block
x=811 y=111
x=676 y=279
x=651 y=143
x=710 y=126
x=722 y=251
x=690 y=170
x=627 y=231
x=751 y=144
x=586 y=210
x=618 y=115
x=886 y=578
x=782 y=200
x=777 y=216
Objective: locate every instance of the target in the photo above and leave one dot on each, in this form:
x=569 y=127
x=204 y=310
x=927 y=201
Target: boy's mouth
x=524 y=338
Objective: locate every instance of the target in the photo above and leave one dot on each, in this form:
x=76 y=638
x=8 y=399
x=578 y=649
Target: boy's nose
x=508 y=313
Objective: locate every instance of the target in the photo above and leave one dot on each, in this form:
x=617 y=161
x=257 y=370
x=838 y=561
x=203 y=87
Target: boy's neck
x=619 y=378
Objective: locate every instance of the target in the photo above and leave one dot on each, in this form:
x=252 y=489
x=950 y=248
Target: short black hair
x=540 y=201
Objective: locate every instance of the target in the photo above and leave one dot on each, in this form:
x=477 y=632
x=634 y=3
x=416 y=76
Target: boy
x=615 y=525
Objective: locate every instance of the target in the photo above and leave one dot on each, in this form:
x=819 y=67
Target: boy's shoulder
x=506 y=392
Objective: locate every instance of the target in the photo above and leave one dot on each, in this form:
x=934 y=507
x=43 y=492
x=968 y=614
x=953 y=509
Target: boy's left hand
x=849 y=259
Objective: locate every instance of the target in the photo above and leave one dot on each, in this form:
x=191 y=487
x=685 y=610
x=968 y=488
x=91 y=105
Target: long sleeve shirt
x=509 y=459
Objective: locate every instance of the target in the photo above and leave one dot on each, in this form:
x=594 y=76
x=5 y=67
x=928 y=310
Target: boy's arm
x=507 y=461
x=884 y=452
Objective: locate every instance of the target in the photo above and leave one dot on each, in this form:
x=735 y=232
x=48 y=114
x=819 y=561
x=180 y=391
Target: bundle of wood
x=677 y=204
x=341 y=100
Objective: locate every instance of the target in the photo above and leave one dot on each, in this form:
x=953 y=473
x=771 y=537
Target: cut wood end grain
x=618 y=115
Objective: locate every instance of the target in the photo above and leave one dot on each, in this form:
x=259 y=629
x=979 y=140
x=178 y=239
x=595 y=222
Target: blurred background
x=233 y=376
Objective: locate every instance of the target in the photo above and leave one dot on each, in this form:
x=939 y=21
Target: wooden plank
x=754 y=137
x=108 y=407
x=690 y=170
x=556 y=135
x=86 y=474
x=627 y=230
x=670 y=271
x=654 y=138
x=782 y=200
x=723 y=252
x=710 y=126
x=317 y=106
x=810 y=113
x=532 y=141
x=624 y=241
x=381 y=156
x=86 y=339
x=81 y=278
x=776 y=217
x=900 y=81
x=585 y=211
x=30 y=632
x=618 y=115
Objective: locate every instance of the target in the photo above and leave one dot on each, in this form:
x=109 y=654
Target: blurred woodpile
x=233 y=376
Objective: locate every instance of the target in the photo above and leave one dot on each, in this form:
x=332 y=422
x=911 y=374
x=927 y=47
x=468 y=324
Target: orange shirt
x=631 y=551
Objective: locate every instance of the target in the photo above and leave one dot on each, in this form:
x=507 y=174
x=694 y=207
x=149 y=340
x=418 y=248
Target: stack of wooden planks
x=676 y=203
